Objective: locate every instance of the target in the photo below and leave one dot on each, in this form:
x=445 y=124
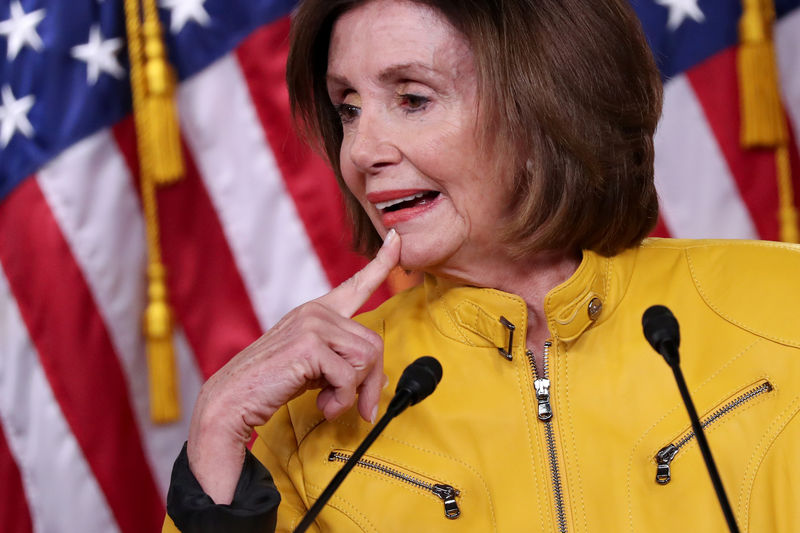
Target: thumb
x=348 y=297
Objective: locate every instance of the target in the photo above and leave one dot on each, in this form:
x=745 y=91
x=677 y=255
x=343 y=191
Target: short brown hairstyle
x=577 y=97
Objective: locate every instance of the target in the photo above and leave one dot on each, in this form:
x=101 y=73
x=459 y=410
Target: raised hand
x=315 y=346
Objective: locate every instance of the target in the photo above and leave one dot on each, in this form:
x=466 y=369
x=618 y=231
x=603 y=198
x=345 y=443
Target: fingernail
x=374 y=414
x=385 y=381
x=390 y=236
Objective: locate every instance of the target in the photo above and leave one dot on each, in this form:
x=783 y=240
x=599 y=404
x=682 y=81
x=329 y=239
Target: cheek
x=349 y=174
x=355 y=184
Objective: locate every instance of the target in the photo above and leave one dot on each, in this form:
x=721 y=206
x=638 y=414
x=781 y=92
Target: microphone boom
x=417 y=382
x=662 y=332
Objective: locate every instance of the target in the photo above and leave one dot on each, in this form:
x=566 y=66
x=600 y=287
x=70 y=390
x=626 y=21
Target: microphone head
x=420 y=378
x=662 y=332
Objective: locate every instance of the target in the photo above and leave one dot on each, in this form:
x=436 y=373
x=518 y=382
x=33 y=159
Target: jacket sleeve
x=254 y=507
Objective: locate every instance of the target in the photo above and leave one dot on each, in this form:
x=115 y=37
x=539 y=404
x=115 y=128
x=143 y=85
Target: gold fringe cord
x=787 y=210
x=164 y=406
x=161 y=113
x=762 y=111
x=157 y=319
x=763 y=119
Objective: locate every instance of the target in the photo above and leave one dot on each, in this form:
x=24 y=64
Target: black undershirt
x=254 y=507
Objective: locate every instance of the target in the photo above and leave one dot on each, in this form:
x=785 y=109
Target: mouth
x=408 y=200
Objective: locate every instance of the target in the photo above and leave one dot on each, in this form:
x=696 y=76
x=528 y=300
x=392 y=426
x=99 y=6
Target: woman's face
x=405 y=85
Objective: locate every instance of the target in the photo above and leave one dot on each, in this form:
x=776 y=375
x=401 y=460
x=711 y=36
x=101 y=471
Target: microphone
x=416 y=383
x=662 y=332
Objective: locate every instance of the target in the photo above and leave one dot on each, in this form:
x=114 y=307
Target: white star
x=20 y=29
x=181 y=11
x=14 y=116
x=99 y=55
x=679 y=10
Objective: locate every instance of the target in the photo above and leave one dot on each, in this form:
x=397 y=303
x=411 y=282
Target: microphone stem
x=705 y=450
x=396 y=406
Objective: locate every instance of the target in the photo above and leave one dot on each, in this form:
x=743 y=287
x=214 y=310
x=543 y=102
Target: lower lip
x=394 y=218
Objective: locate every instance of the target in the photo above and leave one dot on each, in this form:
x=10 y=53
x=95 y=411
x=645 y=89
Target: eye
x=413 y=102
x=347 y=112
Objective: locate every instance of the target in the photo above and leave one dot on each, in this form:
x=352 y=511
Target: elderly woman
x=505 y=149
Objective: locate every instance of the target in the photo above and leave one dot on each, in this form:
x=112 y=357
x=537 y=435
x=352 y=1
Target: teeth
x=389 y=203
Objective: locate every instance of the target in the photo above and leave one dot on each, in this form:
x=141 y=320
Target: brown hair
x=577 y=97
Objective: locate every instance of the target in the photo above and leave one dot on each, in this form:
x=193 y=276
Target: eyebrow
x=398 y=71
x=390 y=73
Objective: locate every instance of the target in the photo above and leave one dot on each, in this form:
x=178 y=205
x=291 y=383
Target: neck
x=531 y=278
x=532 y=281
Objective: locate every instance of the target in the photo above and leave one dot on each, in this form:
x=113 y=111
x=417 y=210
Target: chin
x=429 y=259
x=415 y=260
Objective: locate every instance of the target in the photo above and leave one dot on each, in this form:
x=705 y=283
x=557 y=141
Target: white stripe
x=61 y=491
x=272 y=251
x=90 y=192
x=787 y=46
x=699 y=198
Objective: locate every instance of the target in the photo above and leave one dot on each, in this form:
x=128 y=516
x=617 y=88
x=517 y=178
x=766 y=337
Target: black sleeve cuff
x=254 y=507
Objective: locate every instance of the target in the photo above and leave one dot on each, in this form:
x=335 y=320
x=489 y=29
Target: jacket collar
x=474 y=315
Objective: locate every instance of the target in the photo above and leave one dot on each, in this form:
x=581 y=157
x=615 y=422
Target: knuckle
x=374 y=353
x=308 y=344
x=375 y=340
x=358 y=360
x=301 y=365
x=309 y=310
x=349 y=377
x=365 y=359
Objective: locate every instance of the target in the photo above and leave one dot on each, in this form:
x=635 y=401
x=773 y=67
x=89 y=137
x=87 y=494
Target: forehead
x=383 y=35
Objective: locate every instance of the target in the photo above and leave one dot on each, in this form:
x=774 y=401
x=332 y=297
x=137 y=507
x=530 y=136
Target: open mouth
x=406 y=202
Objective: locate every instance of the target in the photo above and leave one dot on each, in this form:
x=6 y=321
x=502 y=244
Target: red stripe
x=206 y=288
x=77 y=356
x=308 y=179
x=794 y=160
x=15 y=517
x=661 y=229
x=716 y=84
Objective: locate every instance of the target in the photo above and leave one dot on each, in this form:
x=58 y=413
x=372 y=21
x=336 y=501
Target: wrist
x=216 y=449
x=216 y=464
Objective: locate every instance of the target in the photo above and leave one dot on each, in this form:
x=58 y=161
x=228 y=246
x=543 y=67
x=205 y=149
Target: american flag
x=254 y=229
x=708 y=185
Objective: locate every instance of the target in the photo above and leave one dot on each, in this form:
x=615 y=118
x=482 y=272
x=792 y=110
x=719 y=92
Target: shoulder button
x=594 y=308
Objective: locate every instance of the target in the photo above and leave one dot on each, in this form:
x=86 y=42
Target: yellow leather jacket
x=475 y=455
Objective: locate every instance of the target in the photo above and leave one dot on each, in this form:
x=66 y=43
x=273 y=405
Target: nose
x=371 y=144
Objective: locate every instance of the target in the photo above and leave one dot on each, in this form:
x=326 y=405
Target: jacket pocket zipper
x=447 y=493
x=667 y=454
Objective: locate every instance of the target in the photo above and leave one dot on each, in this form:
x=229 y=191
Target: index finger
x=348 y=297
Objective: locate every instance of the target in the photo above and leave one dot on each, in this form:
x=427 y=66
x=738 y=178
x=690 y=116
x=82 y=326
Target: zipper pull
x=542 y=387
x=448 y=495
x=663 y=458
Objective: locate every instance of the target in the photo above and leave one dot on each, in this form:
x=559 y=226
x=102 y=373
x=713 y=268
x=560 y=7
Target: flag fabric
x=708 y=185
x=254 y=229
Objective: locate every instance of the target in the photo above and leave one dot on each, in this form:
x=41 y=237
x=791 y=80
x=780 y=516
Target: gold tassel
x=148 y=81
x=160 y=353
x=157 y=322
x=762 y=111
x=763 y=118
x=161 y=113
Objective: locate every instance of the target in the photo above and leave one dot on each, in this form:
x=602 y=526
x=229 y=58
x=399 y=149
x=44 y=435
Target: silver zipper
x=447 y=493
x=667 y=454
x=545 y=414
